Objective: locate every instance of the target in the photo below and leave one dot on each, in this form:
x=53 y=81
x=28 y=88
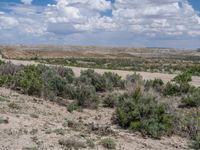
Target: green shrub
x=192 y=100
x=108 y=143
x=171 y=89
x=66 y=73
x=29 y=80
x=194 y=70
x=177 y=89
x=144 y=114
x=196 y=142
x=184 y=77
x=185 y=88
x=72 y=143
x=6 y=80
x=53 y=83
x=113 y=80
x=89 y=77
x=7 y=73
x=111 y=100
x=156 y=84
x=134 y=78
x=179 y=85
x=86 y=96
x=72 y=107
x=187 y=124
x=2 y=62
x=69 y=91
x=9 y=69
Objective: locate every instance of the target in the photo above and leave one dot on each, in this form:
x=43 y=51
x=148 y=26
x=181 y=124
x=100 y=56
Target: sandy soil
x=37 y=123
x=123 y=74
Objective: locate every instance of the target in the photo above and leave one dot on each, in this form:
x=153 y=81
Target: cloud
x=78 y=16
x=150 y=17
x=128 y=22
x=27 y=2
x=172 y=17
x=7 y=22
x=99 y=5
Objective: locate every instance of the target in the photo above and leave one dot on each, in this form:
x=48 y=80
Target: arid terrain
x=57 y=51
x=32 y=122
x=100 y=75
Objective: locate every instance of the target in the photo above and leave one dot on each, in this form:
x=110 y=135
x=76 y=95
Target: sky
x=131 y=23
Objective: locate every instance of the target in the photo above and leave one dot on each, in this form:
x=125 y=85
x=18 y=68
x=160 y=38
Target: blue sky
x=195 y=4
x=133 y=23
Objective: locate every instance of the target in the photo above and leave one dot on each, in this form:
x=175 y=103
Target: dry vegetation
x=131 y=59
x=82 y=114
x=49 y=107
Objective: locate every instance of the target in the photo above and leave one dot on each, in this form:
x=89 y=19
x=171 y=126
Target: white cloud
x=78 y=16
x=172 y=17
x=7 y=22
x=97 y=24
x=150 y=17
x=65 y=19
x=100 y=5
x=28 y=2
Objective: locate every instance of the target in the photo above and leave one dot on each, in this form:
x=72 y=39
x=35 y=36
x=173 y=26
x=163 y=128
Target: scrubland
x=51 y=108
x=46 y=104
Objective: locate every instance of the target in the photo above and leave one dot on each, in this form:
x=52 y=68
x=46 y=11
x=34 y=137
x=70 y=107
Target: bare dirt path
x=122 y=73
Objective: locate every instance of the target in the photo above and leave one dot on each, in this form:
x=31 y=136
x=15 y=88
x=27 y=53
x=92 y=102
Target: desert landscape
x=100 y=75
x=55 y=98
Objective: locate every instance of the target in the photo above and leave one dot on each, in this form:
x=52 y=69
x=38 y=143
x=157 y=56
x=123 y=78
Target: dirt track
x=123 y=74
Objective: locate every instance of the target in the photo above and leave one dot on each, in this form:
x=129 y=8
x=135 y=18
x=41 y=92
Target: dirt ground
x=30 y=122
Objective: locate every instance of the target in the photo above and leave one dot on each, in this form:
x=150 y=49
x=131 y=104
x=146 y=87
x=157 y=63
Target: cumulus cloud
x=172 y=17
x=150 y=17
x=68 y=18
x=78 y=16
x=28 y=2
